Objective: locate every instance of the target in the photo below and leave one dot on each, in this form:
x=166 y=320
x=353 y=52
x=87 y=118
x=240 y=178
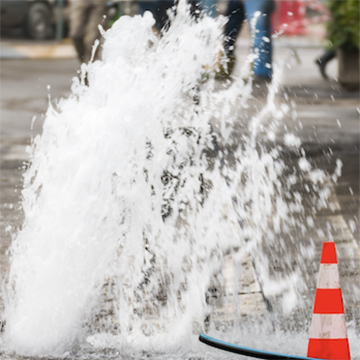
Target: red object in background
x=289 y=17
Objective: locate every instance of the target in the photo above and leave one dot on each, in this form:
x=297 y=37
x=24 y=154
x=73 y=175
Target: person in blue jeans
x=237 y=12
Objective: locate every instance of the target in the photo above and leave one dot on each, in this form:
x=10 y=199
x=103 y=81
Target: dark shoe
x=323 y=60
x=80 y=48
x=259 y=80
x=260 y=85
x=322 y=67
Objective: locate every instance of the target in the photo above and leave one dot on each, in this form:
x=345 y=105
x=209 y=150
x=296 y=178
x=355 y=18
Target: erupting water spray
x=131 y=205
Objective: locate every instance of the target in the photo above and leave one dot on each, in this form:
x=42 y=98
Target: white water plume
x=130 y=199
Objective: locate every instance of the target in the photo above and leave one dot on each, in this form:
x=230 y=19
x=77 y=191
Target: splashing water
x=139 y=187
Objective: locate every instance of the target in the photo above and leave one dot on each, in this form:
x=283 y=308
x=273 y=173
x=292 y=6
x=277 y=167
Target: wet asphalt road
x=24 y=95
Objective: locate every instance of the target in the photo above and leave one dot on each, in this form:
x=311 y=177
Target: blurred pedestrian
x=323 y=60
x=258 y=14
x=85 y=17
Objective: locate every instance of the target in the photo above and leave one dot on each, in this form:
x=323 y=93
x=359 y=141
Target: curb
x=65 y=50
x=52 y=50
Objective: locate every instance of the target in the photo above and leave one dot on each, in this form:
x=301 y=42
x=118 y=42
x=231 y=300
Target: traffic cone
x=328 y=335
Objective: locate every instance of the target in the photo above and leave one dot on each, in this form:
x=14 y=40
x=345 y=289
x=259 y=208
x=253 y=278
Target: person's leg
x=195 y=8
x=236 y=15
x=258 y=13
x=160 y=15
x=78 y=20
x=163 y=6
x=96 y=18
x=323 y=60
x=147 y=6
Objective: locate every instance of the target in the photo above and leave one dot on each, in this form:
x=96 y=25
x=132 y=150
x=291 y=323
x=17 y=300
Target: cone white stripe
x=328 y=326
x=328 y=277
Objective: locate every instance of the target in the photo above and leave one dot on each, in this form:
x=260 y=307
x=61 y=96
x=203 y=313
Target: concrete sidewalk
x=54 y=49
x=26 y=49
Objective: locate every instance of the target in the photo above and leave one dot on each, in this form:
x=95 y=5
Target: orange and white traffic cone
x=328 y=335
